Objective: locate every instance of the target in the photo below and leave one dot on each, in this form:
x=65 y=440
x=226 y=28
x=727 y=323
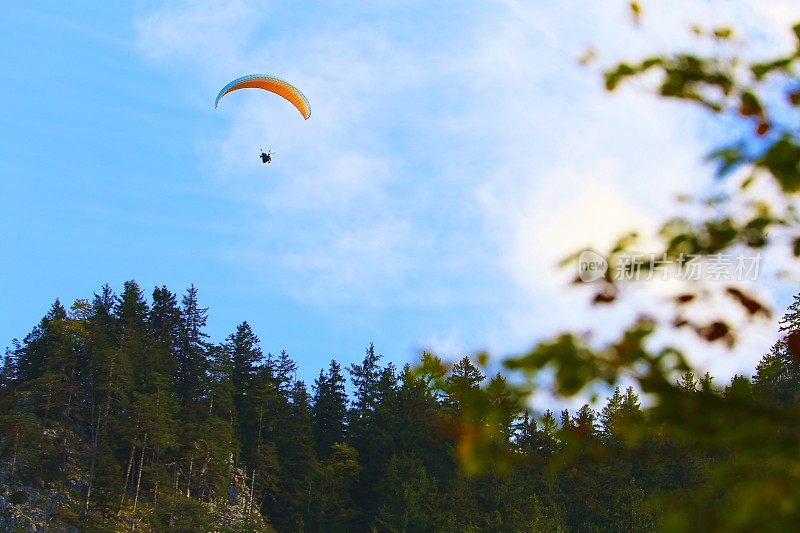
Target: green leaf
x=782 y=160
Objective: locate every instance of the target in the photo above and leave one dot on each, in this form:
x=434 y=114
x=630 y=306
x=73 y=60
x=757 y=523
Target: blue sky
x=454 y=153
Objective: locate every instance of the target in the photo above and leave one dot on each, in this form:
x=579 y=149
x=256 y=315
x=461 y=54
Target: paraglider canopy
x=272 y=84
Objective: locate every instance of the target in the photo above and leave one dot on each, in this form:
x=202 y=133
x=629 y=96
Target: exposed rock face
x=32 y=506
x=232 y=512
x=32 y=509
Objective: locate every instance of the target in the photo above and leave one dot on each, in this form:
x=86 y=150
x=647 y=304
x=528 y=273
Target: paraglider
x=274 y=85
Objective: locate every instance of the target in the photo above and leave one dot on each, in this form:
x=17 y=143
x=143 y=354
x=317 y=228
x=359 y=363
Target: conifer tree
x=368 y=432
x=137 y=416
x=219 y=436
x=584 y=421
x=191 y=352
x=790 y=323
x=464 y=378
x=243 y=353
x=134 y=335
x=295 y=447
x=365 y=379
x=283 y=370
x=419 y=426
x=329 y=410
x=338 y=473
x=107 y=371
x=687 y=382
x=7 y=377
x=165 y=317
x=776 y=380
x=33 y=352
x=547 y=435
x=165 y=328
x=505 y=408
x=610 y=413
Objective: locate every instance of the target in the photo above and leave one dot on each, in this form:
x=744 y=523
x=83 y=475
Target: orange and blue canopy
x=272 y=84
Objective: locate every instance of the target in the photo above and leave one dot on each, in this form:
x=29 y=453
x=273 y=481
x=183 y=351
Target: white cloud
x=206 y=36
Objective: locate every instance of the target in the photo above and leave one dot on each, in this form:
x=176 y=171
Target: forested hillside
x=119 y=413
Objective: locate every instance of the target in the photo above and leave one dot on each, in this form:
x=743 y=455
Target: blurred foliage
x=741 y=443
